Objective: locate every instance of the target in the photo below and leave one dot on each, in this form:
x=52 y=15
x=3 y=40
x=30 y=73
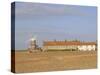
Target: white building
x=69 y=45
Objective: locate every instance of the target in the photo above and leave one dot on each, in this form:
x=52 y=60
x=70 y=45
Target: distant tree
x=96 y=41
x=66 y=40
x=55 y=40
x=76 y=40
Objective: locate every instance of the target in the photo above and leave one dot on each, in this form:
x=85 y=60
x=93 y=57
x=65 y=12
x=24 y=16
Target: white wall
x=87 y=47
x=80 y=47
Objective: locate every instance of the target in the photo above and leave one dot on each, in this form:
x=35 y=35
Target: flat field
x=54 y=61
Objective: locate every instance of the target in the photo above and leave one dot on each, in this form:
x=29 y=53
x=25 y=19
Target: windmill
x=32 y=44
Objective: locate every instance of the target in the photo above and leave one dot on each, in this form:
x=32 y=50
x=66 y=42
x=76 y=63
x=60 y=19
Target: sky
x=53 y=22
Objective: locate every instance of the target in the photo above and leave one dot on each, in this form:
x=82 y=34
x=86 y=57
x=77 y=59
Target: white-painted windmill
x=32 y=44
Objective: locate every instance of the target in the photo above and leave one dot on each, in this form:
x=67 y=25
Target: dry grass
x=54 y=61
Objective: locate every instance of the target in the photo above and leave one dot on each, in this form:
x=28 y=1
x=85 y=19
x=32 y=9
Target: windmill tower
x=32 y=45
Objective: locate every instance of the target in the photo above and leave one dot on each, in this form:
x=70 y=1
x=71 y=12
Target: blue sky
x=53 y=21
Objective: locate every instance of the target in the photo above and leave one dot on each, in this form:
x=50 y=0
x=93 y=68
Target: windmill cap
x=32 y=39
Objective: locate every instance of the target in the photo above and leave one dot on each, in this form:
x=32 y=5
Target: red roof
x=64 y=43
